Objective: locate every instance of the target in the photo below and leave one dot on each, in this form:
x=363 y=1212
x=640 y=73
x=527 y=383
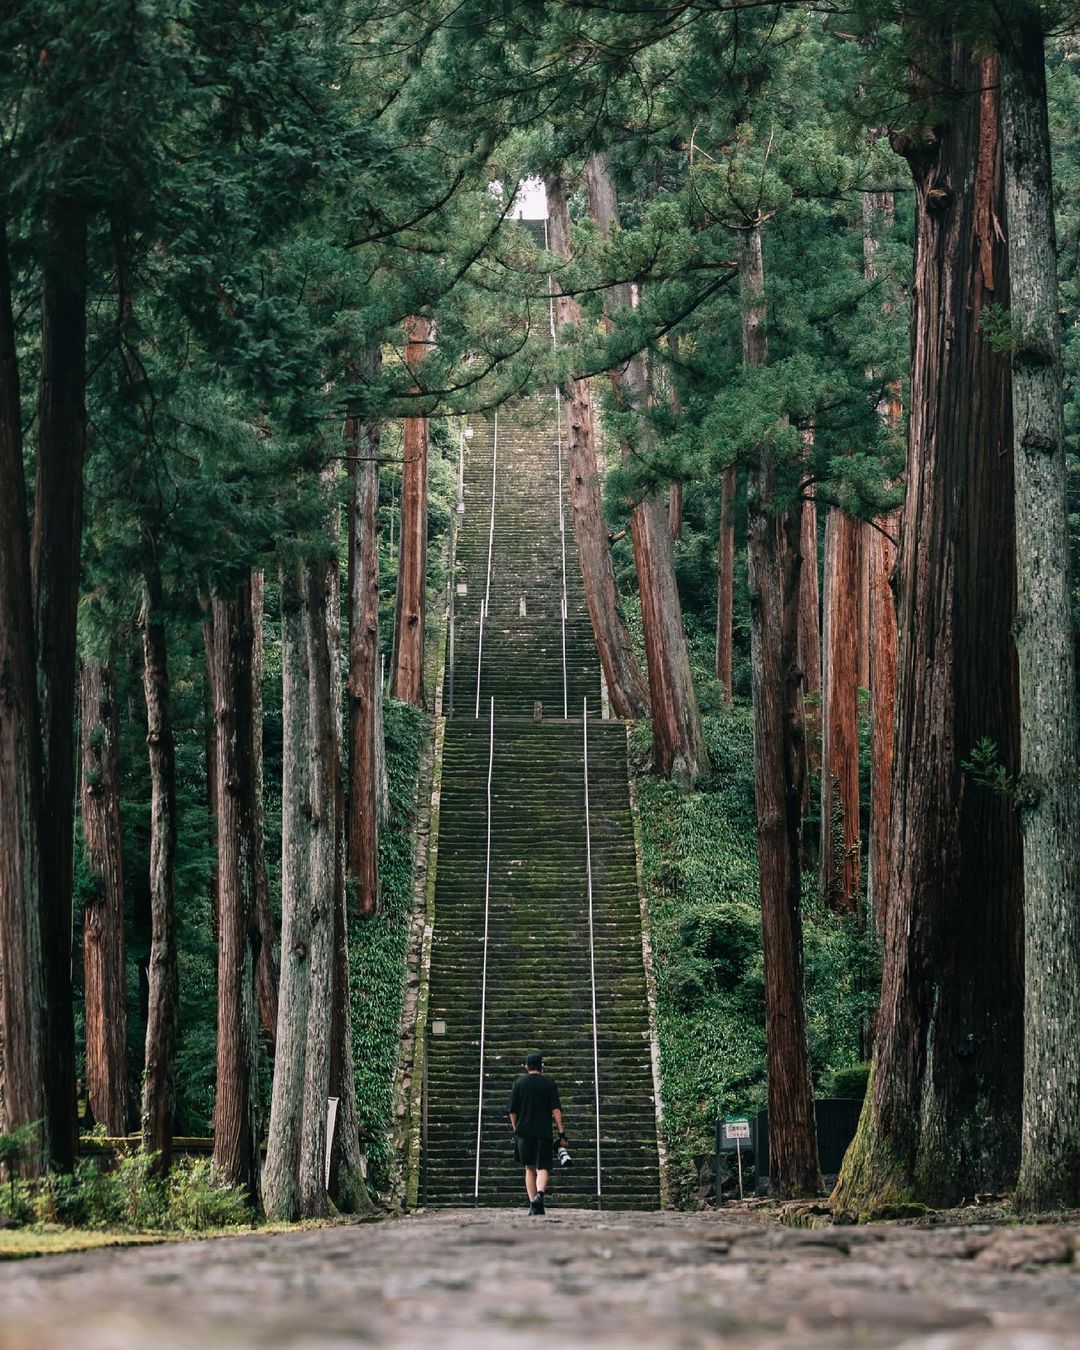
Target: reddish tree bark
x=675 y=509
x=678 y=739
x=235 y=1104
x=862 y=611
x=55 y=555
x=627 y=690
x=774 y=565
x=809 y=596
x=104 y=980
x=22 y=989
x=725 y=579
x=840 y=857
x=159 y=1073
x=408 y=677
x=362 y=445
x=942 y=1114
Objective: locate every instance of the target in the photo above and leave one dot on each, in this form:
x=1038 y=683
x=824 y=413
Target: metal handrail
x=483 y=975
x=592 y=942
x=562 y=508
x=484 y=604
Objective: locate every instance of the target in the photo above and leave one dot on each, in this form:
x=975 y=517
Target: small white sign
x=462 y=588
x=736 y=1129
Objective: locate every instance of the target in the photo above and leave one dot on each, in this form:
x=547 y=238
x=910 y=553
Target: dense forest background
x=257 y=263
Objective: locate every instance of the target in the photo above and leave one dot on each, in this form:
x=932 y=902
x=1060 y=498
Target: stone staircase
x=538 y=990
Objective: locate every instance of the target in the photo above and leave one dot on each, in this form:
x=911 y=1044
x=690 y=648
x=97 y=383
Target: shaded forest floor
x=483 y=1278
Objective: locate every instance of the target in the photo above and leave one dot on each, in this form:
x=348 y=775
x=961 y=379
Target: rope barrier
x=592 y=941
x=483 y=975
x=484 y=604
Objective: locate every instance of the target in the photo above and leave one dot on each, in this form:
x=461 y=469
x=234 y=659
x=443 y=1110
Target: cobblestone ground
x=492 y=1278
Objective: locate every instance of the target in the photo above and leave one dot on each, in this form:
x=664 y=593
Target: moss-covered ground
x=700 y=876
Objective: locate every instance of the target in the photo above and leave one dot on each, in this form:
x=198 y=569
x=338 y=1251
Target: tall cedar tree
x=104 y=977
x=1049 y=781
x=725 y=578
x=22 y=991
x=362 y=436
x=941 y=1114
x=678 y=739
x=626 y=685
x=774 y=564
x=412 y=547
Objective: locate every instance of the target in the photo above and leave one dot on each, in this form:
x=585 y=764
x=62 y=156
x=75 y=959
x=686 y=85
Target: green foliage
x=701 y=888
x=850 y=1081
x=986 y=769
x=124 y=1193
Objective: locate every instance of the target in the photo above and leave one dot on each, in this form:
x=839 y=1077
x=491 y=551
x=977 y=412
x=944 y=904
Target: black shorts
x=535 y=1152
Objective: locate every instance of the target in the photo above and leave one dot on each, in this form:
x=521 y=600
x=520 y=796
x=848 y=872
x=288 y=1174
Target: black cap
x=534 y=1060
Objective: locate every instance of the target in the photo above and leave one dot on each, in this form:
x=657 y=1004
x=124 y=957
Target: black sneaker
x=537 y=1206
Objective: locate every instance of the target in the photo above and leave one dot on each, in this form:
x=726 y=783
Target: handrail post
x=592 y=944
x=485 y=603
x=562 y=508
x=483 y=975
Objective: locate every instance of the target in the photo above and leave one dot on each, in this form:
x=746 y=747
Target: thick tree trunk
x=235 y=1104
x=408 y=677
x=362 y=444
x=678 y=739
x=774 y=563
x=281 y=1188
x=267 y=971
x=159 y=1073
x=1049 y=787
x=627 y=690
x=55 y=565
x=941 y=1117
x=22 y=976
x=104 y=979
x=840 y=858
x=725 y=578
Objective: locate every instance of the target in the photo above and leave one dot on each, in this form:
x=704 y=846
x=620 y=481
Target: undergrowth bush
x=123 y=1193
x=700 y=875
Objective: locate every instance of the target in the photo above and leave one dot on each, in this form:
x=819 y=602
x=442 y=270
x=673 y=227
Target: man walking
x=533 y=1105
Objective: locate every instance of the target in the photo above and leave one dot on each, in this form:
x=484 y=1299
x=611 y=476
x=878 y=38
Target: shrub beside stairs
x=539 y=990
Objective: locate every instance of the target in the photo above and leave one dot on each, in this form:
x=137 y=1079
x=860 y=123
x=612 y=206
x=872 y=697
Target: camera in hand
x=563 y=1154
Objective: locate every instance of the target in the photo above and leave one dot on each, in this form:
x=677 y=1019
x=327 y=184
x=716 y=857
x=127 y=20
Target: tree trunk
x=235 y=1104
x=267 y=970
x=1049 y=782
x=940 y=1118
x=22 y=976
x=678 y=739
x=881 y=562
x=725 y=578
x=281 y=1189
x=408 y=678
x=104 y=977
x=809 y=597
x=627 y=690
x=362 y=445
x=55 y=558
x=840 y=859
x=774 y=564
x=675 y=509
x=862 y=609
x=159 y=1090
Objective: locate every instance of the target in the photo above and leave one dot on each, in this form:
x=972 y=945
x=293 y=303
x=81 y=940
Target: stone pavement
x=488 y=1278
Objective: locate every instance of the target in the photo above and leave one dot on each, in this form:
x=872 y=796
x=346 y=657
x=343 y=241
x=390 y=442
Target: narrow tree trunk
x=840 y=859
x=267 y=970
x=877 y=212
x=675 y=509
x=55 y=566
x=627 y=690
x=159 y=1082
x=104 y=979
x=678 y=739
x=1049 y=786
x=281 y=1189
x=725 y=578
x=940 y=1118
x=22 y=976
x=809 y=596
x=408 y=678
x=235 y=1104
x=862 y=608
x=362 y=444
x=774 y=563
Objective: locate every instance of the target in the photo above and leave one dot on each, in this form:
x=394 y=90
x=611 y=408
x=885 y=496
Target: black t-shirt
x=532 y=1099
